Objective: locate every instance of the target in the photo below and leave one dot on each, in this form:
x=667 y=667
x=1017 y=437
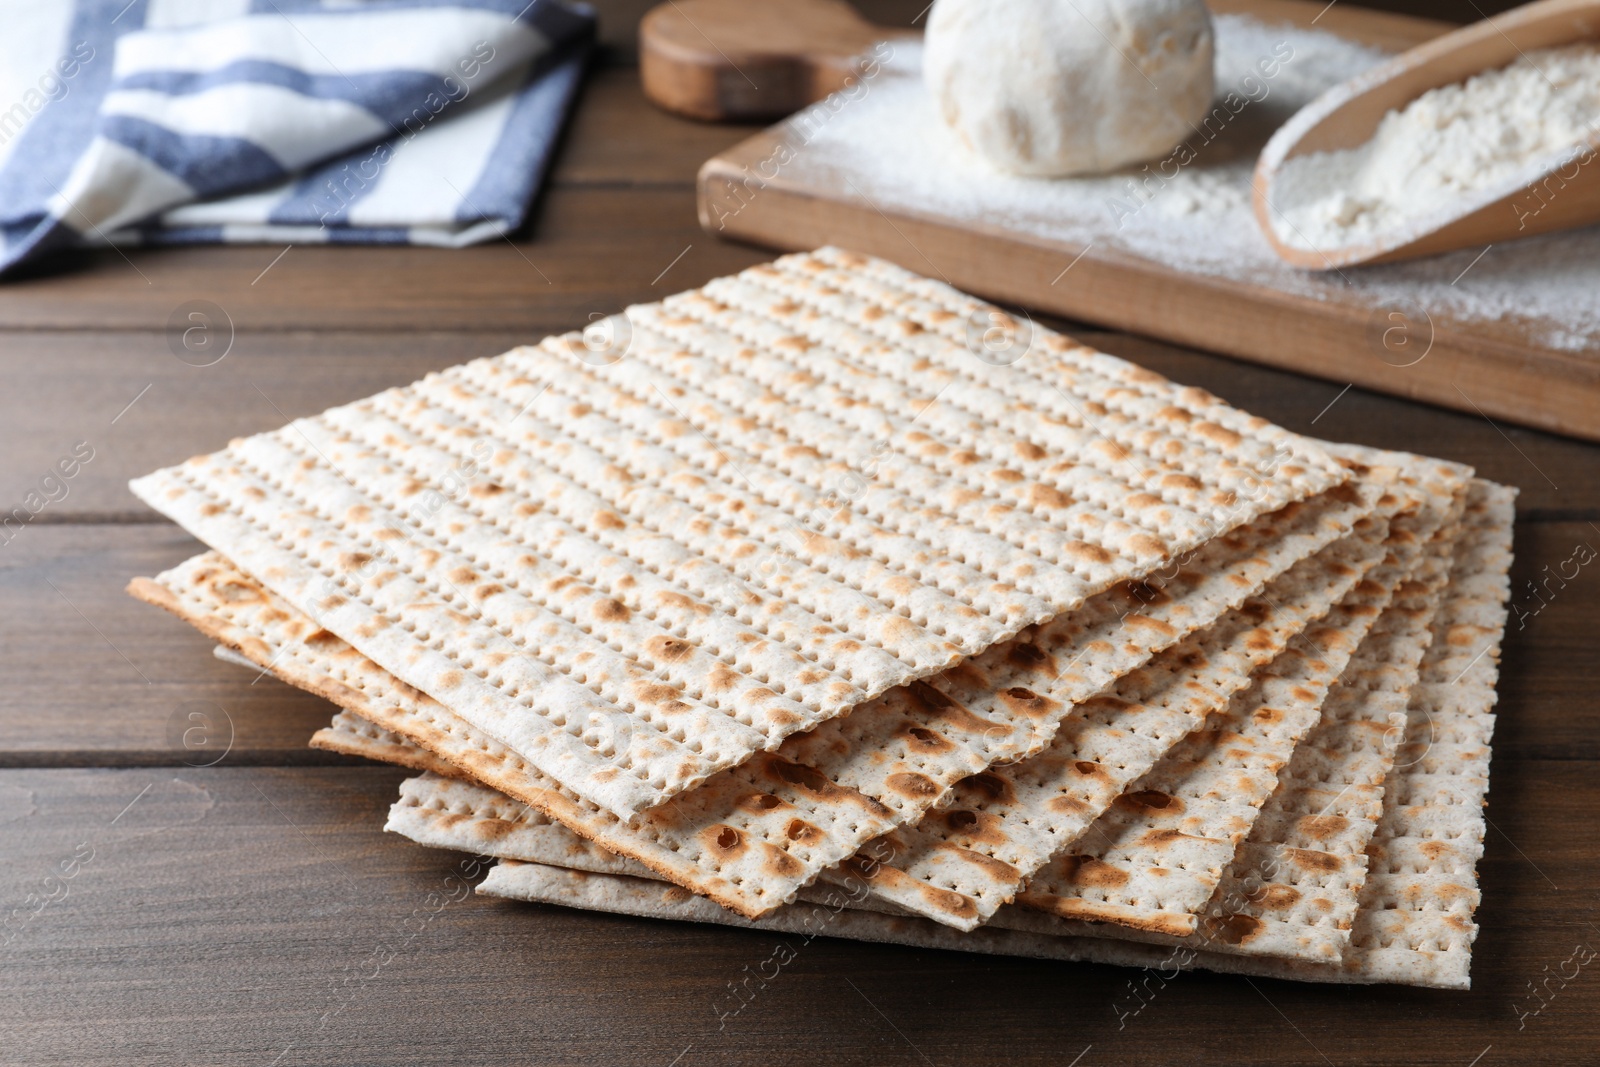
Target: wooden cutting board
x=1502 y=366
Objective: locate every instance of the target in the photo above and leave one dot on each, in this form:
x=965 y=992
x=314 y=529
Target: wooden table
x=252 y=912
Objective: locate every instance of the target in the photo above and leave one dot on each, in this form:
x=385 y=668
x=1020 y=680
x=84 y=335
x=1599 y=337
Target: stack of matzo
x=790 y=604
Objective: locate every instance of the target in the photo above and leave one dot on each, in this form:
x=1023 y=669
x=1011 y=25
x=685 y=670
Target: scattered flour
x=1497 y=131
x=1193 y=213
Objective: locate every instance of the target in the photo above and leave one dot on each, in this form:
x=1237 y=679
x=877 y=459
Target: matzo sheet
x=1422 y=890
x=1293 y=889
x=1413 y=922
x=812 y=817
x=637 y=560
x=993 y=830
x=441 y=813
x=1154 y=860
x=351 y=735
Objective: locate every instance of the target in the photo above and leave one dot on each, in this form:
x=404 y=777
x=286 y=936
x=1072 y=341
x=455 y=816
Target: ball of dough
x=1058 y=87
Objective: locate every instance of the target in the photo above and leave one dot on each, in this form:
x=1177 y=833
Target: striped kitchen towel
x=378 y=122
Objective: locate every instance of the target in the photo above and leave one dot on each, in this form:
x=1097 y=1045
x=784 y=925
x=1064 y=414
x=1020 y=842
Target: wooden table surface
x=227 y=896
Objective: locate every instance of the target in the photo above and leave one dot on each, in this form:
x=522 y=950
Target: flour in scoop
x=1488 y=135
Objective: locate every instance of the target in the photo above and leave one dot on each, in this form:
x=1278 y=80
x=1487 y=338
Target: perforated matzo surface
x=1292 y=890
x=1153 y=861
x=1414 y=920
x=994 y=829
x=636 y=562
x=1415 y=924
x=913 y=743
x=962 y=861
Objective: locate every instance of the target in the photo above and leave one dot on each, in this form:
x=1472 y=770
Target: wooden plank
x=95 y=678
x=67 y=388
x=617 y=137
x=1498 y=368
x=1551 y=658
x=1441 y=10
x=619 y=28
x=246 y=915
x=252 y=916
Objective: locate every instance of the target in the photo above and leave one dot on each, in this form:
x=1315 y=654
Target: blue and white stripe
x=383 y=122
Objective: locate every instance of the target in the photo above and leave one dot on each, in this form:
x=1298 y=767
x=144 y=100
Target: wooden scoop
x=732 y=60
x=1347 y=116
